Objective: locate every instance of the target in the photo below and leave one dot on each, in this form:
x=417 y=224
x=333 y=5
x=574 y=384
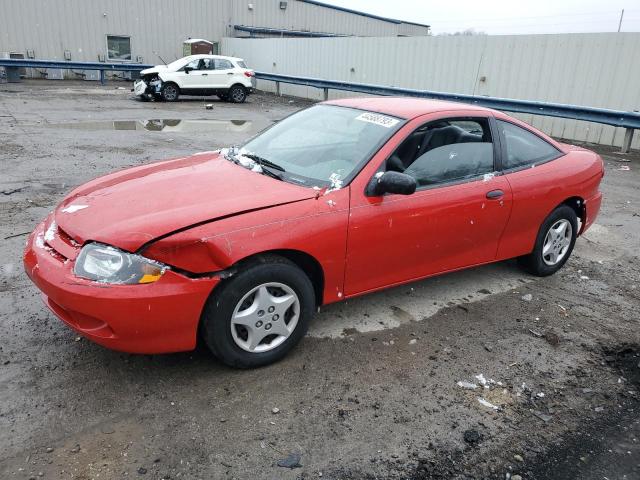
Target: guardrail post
x=325 y=92
x=628 y=138
x=278 y=88
x=103 y=80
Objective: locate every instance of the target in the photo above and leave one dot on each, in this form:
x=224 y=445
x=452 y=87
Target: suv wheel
x=170 y=92
x=237 y=94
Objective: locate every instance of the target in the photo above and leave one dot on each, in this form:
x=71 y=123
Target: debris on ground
x=467 y=385
x=483 y=402
x=527 y=297
x=551 y=337
x=291 y=461
x=275 y=410
x=472 y=437
x=12 y=191
x=535 y=333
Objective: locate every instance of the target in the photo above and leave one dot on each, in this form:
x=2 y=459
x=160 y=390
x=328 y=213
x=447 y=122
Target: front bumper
x=140 y=87
x=159 y=317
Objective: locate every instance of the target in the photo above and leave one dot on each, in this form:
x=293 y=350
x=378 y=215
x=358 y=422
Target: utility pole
x=620 y=22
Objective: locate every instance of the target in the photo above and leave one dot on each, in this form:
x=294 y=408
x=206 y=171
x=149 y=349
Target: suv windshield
x=323 y=145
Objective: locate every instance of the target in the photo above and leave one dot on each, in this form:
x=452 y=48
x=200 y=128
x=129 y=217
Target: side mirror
x=187 y=69
x=392 y=182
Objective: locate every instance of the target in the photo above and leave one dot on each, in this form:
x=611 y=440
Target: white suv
x=227 y=77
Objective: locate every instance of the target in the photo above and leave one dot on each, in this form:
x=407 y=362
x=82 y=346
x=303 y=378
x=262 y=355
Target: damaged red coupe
x=241 y=246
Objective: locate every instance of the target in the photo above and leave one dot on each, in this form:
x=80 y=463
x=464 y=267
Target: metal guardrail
x=67 y=65
x=618 y=118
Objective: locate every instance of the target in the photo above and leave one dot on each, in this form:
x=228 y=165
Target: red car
x=347 y=197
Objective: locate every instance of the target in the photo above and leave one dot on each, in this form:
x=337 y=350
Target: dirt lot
x=372 y=392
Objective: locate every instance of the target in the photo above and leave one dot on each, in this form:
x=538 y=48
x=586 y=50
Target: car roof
x=404 y=107
x=206 y=55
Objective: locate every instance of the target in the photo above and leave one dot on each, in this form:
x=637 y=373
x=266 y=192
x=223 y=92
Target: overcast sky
x=499 y=17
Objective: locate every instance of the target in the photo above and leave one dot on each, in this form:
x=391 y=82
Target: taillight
x=249 y=73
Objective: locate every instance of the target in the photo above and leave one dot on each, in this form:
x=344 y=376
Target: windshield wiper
x=263 y=162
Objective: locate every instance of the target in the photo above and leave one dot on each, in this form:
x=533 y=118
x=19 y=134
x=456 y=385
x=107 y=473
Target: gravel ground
x=372 y=391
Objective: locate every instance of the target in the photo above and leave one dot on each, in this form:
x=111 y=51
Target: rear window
x=524 y=149
x=241 y=64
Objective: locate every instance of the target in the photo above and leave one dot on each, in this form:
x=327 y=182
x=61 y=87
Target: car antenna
x=165 y=63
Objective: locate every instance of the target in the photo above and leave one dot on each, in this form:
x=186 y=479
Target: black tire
x=237 y=94
x=170 y=92
x=535 y=263
x=216 y=321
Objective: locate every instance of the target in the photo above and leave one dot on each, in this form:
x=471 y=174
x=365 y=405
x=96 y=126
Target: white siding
x=594 y=69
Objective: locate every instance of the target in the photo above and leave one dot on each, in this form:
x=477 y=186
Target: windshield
x=323 y=145
x=181 y=62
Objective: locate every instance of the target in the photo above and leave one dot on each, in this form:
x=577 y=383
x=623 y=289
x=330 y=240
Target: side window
x=445 y=151
x=523 y=147
x=208 y=64
x=222 y=64
x=193 y=65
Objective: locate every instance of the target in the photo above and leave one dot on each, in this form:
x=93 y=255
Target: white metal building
x=140 y=30
x=590 y=69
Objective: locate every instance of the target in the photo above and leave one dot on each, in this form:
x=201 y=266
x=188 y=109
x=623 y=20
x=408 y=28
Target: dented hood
x=135 y=206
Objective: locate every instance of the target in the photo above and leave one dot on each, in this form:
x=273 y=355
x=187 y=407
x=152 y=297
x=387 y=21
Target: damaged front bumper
x=141 y=87
x=158 y=317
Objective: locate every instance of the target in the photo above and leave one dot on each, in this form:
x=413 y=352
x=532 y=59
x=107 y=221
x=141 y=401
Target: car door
x=223 y=75
x=190 y=76
x=454 y=219
x=539 y=183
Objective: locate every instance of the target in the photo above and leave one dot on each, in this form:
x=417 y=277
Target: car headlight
x=103 y=263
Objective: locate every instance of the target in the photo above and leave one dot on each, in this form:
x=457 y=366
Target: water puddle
x=167 y=125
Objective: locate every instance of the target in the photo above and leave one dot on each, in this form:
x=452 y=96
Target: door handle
x=229 y=73
x=205 y=74
x=495 y=194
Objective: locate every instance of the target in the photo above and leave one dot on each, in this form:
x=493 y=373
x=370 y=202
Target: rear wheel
x=554 y=243
x=257 y=316
x=170 y=92
x=237 y=94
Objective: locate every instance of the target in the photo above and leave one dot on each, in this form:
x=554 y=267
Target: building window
x=118 y=47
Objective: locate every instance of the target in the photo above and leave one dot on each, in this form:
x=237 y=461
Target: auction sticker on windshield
x=378 y=119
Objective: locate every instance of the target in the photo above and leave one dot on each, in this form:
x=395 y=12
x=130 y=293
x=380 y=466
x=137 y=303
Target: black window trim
x=497 y=154
x=503 y=148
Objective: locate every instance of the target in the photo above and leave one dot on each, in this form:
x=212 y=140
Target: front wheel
x=258 y=315
x=170 y=92
x=554 y=243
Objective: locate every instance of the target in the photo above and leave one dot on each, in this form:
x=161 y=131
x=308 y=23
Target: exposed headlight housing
x=103 y=263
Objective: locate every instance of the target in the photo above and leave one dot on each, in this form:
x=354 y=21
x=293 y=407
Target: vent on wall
x=283 y=5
